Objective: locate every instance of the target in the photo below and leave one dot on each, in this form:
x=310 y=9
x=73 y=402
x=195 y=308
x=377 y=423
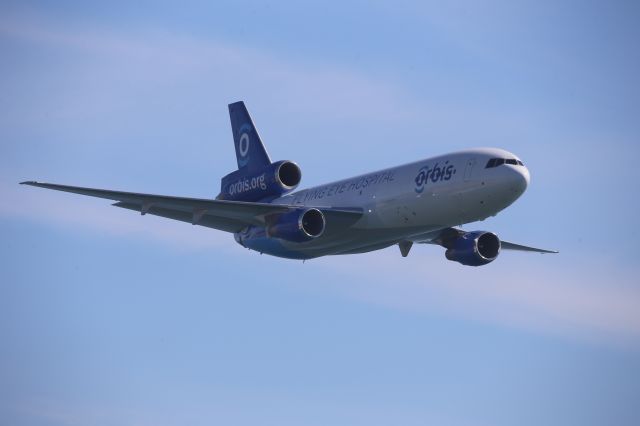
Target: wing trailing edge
x=229 y=216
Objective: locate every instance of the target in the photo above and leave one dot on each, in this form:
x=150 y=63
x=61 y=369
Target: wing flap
x=209 y=221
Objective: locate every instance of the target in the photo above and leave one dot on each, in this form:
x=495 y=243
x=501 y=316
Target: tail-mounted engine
x=297 y=225
x=270 y=182
x=473 y=248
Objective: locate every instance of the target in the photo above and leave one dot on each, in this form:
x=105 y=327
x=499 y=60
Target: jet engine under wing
x=230 y=216
x=445 y=237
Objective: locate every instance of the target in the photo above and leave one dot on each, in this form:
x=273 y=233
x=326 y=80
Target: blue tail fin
x=250 y=151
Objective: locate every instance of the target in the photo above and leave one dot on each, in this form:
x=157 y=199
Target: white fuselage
x=408 y=202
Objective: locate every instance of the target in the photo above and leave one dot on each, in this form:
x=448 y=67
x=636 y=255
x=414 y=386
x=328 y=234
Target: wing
x=445 y=236
x=511 y=246
x=230 y=216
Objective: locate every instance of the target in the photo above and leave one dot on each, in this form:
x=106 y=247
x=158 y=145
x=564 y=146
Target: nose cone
x=519 y=179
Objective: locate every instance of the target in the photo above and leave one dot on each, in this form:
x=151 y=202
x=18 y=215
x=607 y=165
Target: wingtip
x=28 y=182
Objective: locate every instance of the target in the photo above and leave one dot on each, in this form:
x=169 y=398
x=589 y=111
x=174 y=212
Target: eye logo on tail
x=250 y=152
x=243 y=144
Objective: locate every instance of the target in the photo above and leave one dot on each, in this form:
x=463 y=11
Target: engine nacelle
x=298 y=225
x=268 y=183
x=474 y=248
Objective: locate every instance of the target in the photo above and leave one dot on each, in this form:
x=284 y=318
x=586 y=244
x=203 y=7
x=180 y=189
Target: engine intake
x=288 y=174
x=267 y=183
x=474 y=248
x=297 y=225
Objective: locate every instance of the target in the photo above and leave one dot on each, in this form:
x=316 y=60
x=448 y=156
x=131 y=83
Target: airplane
x=420 y=202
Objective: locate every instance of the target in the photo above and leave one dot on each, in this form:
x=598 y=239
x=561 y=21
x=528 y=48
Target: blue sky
x=107 y=317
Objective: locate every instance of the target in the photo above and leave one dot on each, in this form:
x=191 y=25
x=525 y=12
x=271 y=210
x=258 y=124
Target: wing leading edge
x=512 y=246
x=230 y=216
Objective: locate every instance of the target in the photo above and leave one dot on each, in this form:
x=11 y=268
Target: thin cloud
x=583 y=301
x=160 y=57
x=568 y=298
x=97 y=215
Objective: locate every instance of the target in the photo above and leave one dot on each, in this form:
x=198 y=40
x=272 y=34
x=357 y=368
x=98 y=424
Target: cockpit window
x=495 y=162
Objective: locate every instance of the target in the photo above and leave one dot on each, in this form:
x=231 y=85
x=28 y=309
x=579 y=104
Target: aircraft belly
x=354 y=241
x=385 y=222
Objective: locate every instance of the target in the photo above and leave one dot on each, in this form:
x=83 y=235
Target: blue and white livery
x=419 y=202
